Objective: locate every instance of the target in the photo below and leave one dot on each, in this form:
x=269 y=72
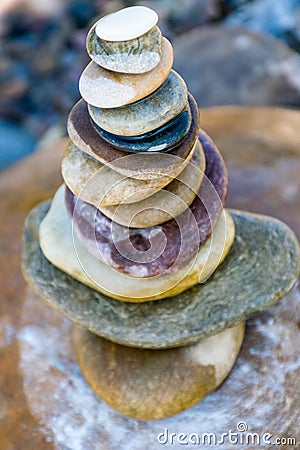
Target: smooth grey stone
x=147 y=114
x=164 y=138
x=261 y=268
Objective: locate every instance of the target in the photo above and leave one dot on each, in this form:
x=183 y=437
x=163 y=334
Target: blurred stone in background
x=280 y=18
x=234 y=66
x=42 y=55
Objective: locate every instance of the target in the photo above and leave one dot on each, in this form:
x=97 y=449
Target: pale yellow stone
x=100 y=185
x=165 y=204
x=63 y=250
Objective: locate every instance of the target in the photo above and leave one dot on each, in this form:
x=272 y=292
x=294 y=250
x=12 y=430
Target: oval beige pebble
x=106 y=89
x=155 y=384
x=148 y=114
x=99 y=185
x=66 y=253
x=127 y=23
x=164 y=204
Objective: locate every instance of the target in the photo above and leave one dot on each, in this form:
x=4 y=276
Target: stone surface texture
x=165 y=204
x=135 y=56
x=132 y=380
x=147 y=114
x=164 y=248
x=106 y=89
x=73 y=259
x=99 y=185
x=252 y=278
x=85 y=137
x=40 y=398
x=163 y=139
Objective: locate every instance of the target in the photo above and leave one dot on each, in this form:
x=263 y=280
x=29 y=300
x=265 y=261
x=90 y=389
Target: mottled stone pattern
x=152 y=385
x=107 y=89
x=184 y=234
x=264 y=247
x=61 y=247
x=137 y=55
x=165 y=204
x=148 y=114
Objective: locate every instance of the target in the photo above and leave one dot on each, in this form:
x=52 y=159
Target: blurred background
x=229 y=51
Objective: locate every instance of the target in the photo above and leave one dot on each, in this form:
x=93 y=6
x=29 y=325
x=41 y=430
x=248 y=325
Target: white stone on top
x=126 y=24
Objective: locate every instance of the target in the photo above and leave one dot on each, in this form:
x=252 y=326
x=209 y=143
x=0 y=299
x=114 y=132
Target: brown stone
x=85 y=137
x=252 y=278
x=155 y=384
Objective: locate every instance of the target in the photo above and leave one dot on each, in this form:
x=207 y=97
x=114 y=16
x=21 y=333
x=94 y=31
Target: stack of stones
x=140 y=218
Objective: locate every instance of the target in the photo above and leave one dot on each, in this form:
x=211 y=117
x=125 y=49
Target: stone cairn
x=136 y=247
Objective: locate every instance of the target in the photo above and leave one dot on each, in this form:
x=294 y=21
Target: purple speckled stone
x=163 y=248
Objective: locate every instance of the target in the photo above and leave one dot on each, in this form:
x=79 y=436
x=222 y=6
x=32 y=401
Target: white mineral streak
x=219 y=351
x=71 y=416
x=126 y=24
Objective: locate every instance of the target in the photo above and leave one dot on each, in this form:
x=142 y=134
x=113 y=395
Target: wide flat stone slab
x=261 y=267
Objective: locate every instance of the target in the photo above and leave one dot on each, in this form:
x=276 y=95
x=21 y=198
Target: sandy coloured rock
x=99 y=185
x=146 y=115
x=132 y=380
x=165 y=204
x=106 y=89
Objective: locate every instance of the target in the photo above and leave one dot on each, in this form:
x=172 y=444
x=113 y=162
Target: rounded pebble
x=147 y=114
x=127 y=23
x=106 y=89
x=165 y=138
x=138 y=55
x=132 y=380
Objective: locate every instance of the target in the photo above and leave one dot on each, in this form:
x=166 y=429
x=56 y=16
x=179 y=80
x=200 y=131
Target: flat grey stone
x=261 y=268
